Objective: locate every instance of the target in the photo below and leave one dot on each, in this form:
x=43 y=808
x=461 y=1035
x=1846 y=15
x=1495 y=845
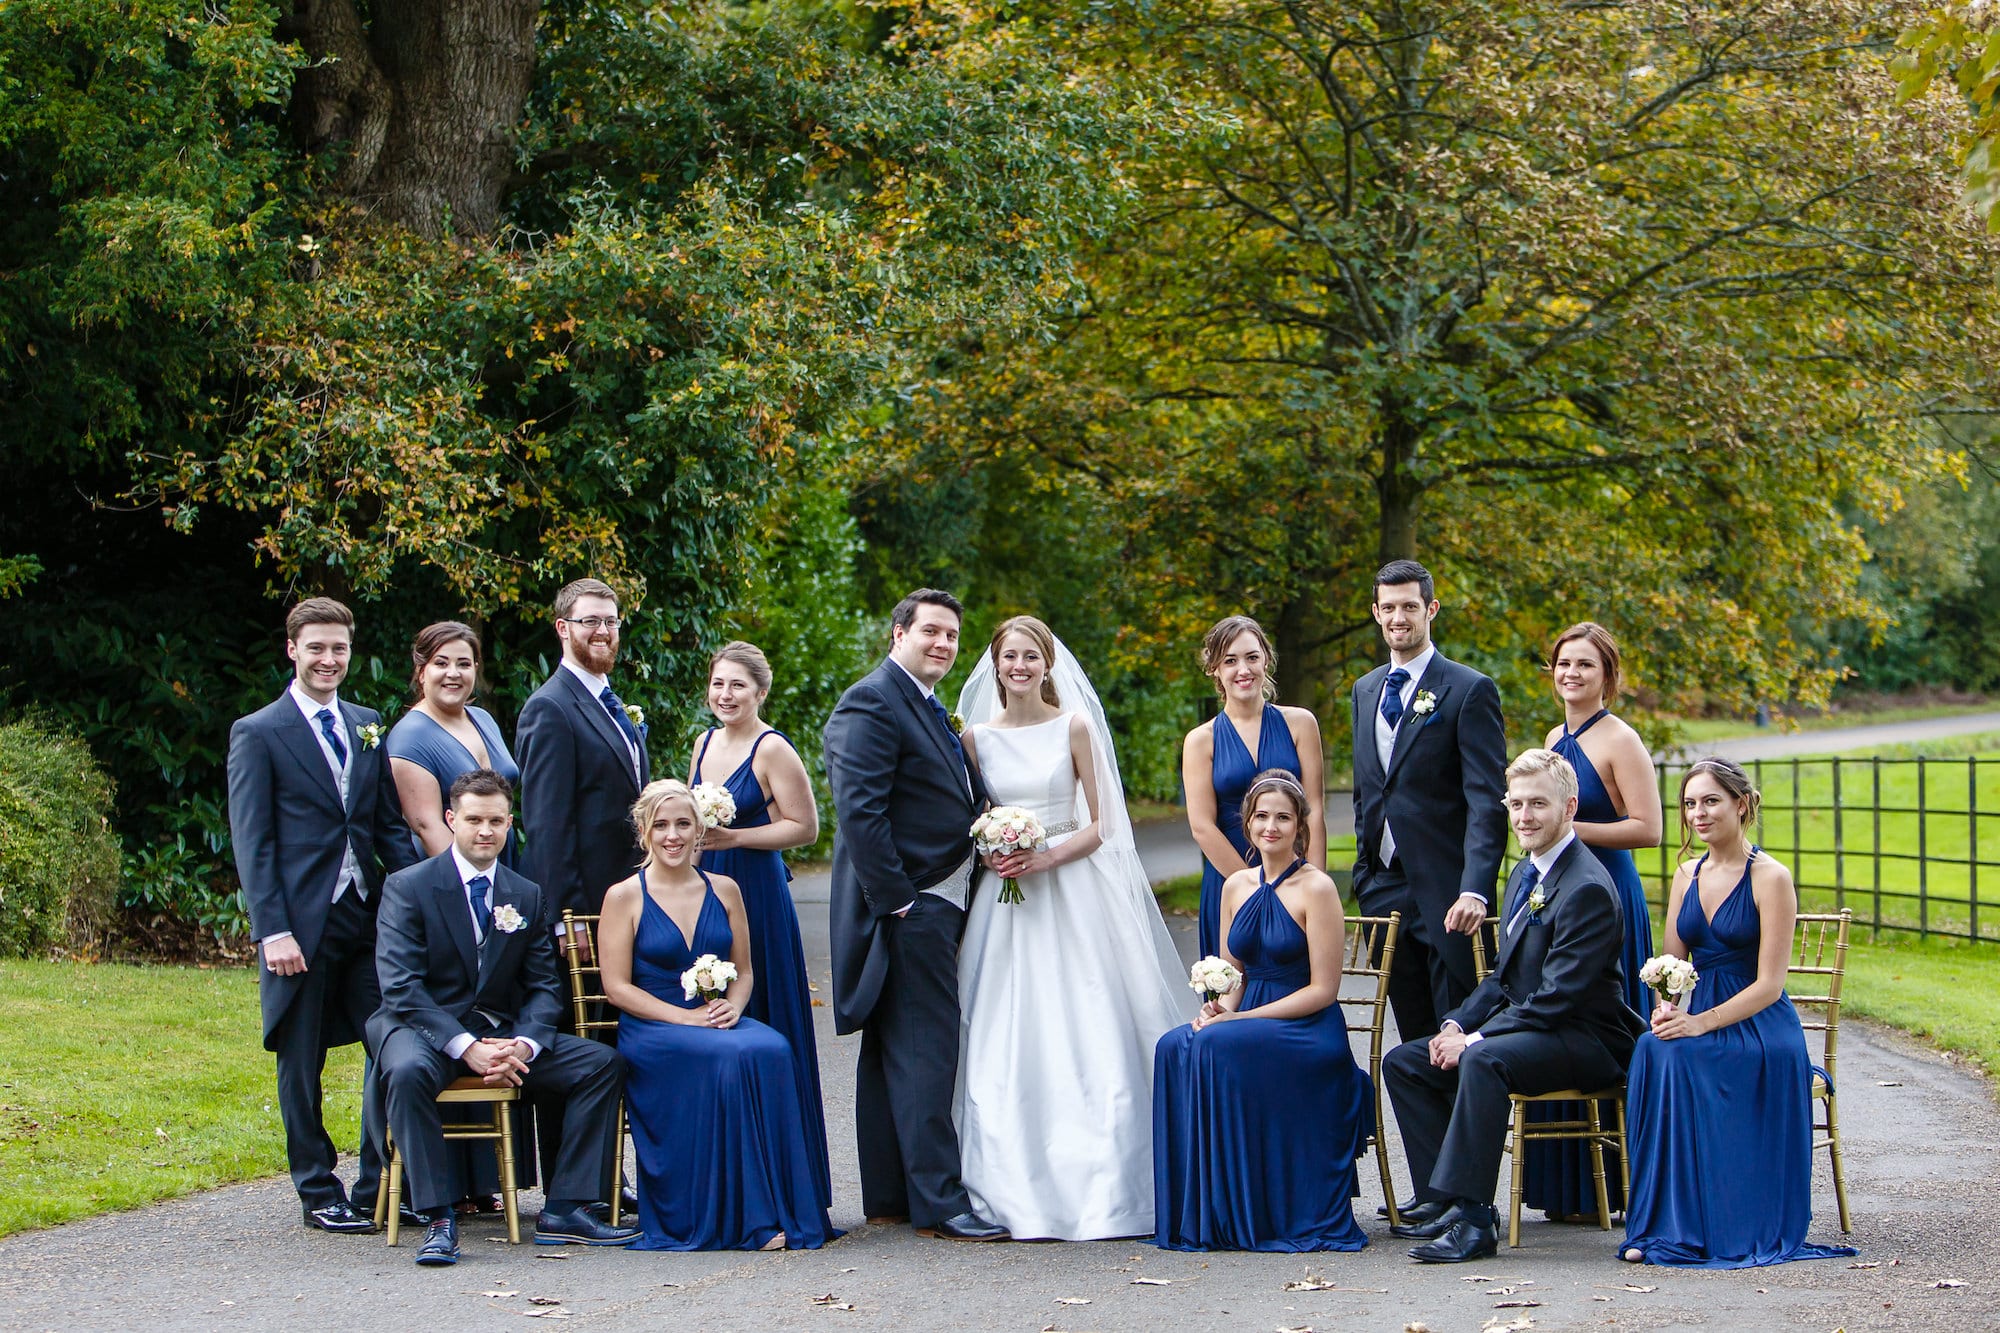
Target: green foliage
x=1954 y=43
x=15 y=573
x=58 y=857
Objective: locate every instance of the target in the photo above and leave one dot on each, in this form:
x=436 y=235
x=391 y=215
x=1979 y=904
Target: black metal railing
x=1897 y=840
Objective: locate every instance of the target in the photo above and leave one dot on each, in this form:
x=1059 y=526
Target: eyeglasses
x=592 y=624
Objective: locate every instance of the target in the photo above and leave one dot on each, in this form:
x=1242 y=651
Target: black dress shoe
x=1405 y=1207
x=339 y=1217
x=580 y=1228
x=966 y=1226
x=440 y=1247
x=1473 y=1234
x=1419 y=1213
x=628 y=1205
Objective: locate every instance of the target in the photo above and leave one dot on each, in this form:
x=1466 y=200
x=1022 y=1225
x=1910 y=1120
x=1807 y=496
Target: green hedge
x=58 y=857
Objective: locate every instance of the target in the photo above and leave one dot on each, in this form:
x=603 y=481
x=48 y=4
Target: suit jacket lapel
x=599 y=721
x=914 y=702
x=304 y=745
x=1406 y=730
x=457 y=915
x=1367 y=699
x=1550 y=886
x=496 y=939
x=355 y=750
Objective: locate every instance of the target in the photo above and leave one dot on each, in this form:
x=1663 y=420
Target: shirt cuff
x=1474 y=1038
x=1450 y=1023
x=1484 y=901
x=534 y=1047
x=459 y=1045
x=269 y=940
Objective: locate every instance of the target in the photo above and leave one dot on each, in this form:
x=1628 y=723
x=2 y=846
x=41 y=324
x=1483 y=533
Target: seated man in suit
x=470 y=985
x=1551 y=1015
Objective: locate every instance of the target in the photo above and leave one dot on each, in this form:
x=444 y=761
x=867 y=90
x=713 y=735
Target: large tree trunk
x=424 y=97
x=1396 y=490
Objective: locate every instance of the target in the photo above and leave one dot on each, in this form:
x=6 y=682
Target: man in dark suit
x=583 y=760
x=313 y=817
x=902 y=873
x=1551 y=1015
x=1428 y=820
x=471 y=985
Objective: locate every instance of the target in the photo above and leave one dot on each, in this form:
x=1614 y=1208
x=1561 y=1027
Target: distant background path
x=1783 y=745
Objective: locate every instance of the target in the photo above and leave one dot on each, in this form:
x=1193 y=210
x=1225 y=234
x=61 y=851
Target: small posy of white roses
x=1004 y=829
x=1214 y=978
x=708 y=978
x=1537 y=901
x=956 y=722
x=1424 y=704
x=714 y=804
x=507 y=919
x=635 y=714
x=1671 y=977
x=370 y=734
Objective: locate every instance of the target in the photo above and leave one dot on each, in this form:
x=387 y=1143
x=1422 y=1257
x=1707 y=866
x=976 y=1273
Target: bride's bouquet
x=1213 y=978
x=708 y=978
x=1004 y=829
x=714 y=804
x=1673 y=978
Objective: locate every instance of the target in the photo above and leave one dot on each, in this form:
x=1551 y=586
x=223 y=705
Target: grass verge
x=1940 y=990
x=122 y=1086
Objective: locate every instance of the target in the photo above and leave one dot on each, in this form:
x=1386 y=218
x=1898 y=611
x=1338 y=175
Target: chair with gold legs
x=498 y=1130
x=594 y=1016
x=1369 y=949
x=1489 y=929
x=1521 y=1131
x=1819 y=934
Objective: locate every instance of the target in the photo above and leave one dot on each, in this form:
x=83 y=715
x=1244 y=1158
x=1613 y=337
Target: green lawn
x=120 y=1086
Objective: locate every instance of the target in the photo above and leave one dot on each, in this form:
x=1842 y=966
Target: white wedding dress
x=1062 y=999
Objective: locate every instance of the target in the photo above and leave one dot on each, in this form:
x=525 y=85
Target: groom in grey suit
x=902 y=873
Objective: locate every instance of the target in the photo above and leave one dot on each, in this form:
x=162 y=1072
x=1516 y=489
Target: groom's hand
x=495 y=1063
x=284 y=957
x=1465 y=914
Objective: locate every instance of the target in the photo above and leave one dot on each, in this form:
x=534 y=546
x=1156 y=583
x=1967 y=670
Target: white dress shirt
x=597 y=685
x=456 y=1047
x=350 y=865
x=1543 y=862
x=1385 y=735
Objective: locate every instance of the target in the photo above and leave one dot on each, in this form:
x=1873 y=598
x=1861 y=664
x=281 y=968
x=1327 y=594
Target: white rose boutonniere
x=507 y=919
x=370 y=734
x=957 y=724
x=636 y=714
x=1424 y=704
x=1536 y=902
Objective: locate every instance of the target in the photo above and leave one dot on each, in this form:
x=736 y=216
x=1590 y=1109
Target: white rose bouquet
x=1004 y=829
x=1673 y=978
x=1214 y=978
x=714 y=804
x=708 y=978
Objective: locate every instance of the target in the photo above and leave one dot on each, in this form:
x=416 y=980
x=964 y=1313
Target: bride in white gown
x=1063 y=996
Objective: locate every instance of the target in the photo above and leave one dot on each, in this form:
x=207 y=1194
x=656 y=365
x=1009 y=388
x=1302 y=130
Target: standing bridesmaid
x=774 y=812
x=1250 y=735
x=1617 y=813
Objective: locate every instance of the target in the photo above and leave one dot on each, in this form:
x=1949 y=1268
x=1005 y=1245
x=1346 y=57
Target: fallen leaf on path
x=547 y=1312
x=503 y=1241
x=1415 y=1327
x=1630 y=1286
x=1940 y=1283
x=1601 y=1298
x=833 y=1302
x=1514 y=1325
x=1302 y=1328
x=1152 y=1282
x=1886 y=1083
x=499 y=1293
x=1309 y=1283
x=1517 y=1305
x=850 y=1270
x=545 y=1300
x=1072 y=1300
x=1867 y=1263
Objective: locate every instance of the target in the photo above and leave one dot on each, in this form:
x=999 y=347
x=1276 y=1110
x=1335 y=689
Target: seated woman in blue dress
x=1718 y=1100
x=717 y=1119
x=1259 y=1110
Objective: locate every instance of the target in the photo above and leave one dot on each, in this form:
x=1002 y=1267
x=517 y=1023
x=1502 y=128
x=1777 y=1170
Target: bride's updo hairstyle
x=1215 y=645
x=657 y=793
x=1735 y=783
x=1278 y=780
x=1044 y=640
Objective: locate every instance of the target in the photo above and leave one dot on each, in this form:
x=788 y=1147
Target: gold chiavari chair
x=498 y=1130
x=1814 y=983
x=594 y=1016
x=1368 y=950
x=1489 y=930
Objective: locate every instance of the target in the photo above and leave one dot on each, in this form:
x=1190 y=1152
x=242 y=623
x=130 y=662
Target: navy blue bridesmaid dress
x=1720 y=1125
x=782 y=997
x=724 y=1157
x=418 y=738
x=1558 y=1174
x=1232 y=769
x=1257 y=1122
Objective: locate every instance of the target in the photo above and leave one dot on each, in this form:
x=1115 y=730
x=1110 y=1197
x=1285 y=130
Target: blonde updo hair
x=1215 y=644
x=748 y=656
x=1044 y=640
x=657 y=793
x=1278 y=780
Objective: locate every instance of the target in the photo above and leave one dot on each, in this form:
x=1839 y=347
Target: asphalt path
x=1923 y=1158
x=1841 y=740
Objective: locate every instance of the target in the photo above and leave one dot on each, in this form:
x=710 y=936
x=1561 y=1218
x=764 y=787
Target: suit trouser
x=587 y=1076
x=1431 y=974
x=908 y=1072
x=1454 y=1121
x=340 y=984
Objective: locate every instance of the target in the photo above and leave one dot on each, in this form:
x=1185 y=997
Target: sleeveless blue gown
x=1721 y=1124
x=1257 y=1122
x=724 y=1158
x=782 y=997
x=418 y=738
x=1557 y=1175
x=1232 y=769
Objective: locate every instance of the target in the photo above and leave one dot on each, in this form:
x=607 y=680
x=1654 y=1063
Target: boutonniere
x=370 y=734
x=635 y=714
x=956 y=723
x=1424 y=704
x=1536 y=902
x=507 y=919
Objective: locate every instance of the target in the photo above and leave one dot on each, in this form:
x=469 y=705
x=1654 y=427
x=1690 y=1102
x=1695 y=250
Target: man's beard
x=597 y=657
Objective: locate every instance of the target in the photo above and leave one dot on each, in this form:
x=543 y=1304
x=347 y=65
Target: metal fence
x=1898 y=840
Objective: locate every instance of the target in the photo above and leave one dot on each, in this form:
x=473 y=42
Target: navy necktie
x=332 y=734
x=482 y=904
x=1529 y=879
x=944 y=720
x=613 y=706
x=1392 y=696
